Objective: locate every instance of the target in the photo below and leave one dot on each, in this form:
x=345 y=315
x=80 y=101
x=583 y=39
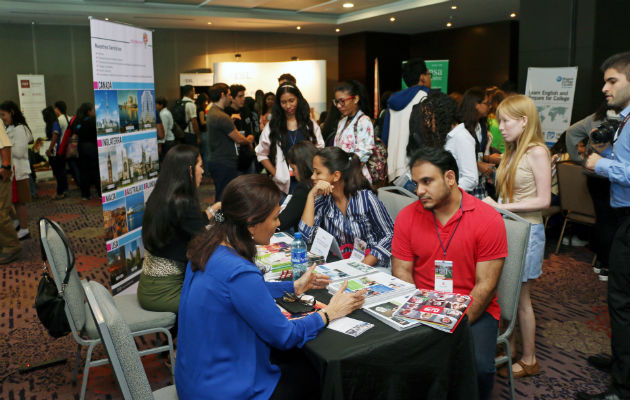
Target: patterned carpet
x=569 y=303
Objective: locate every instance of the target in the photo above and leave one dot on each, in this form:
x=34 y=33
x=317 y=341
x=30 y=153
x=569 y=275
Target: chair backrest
x=574 y=194
x=57 y=250
x=509 y=288
x=119 y=343
x=395 y=199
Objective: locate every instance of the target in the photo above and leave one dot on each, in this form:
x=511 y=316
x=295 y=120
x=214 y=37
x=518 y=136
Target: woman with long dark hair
x=172 y=217
x=329 y=127
x=228 y=320
x=85 y=129
x=474 y=111
x=300 y=160
x=201 y=103
x=290 y=124
x=355 y=133
x=269 y=100
x=437 y=125
x=342 y=202
x=57 y=162
x=20 y=135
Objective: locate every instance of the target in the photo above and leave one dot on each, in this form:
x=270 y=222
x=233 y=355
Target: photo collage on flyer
x=127 y=143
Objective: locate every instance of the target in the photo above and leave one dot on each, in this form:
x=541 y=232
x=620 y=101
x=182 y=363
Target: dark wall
x=481 y=55
x=358 y=51
x=580 y=33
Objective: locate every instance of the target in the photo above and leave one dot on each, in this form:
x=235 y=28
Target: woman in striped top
x=343 y=203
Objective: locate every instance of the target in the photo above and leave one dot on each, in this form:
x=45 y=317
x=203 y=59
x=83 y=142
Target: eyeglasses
x=292 y=298
x=341 y=102
x=429 y=74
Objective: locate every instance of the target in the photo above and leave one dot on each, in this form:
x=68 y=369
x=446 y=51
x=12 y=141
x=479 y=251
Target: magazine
x=379 y=286
x=344 y=269
x=384 y=311
x=439 y=310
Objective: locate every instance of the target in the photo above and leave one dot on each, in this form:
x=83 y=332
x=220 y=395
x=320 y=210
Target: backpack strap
x=69 y=253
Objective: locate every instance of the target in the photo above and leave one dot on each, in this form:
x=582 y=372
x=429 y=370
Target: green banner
x=439 y=79
x=439 y=69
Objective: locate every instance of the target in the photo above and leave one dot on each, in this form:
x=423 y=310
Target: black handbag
x=49 y=302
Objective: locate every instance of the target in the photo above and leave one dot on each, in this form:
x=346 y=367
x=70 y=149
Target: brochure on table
x=379 y=286
x=344 y=269
x=439 y=310
x=124 y=102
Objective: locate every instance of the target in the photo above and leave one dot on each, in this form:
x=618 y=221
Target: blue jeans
x=221 y=175
x=484 y=332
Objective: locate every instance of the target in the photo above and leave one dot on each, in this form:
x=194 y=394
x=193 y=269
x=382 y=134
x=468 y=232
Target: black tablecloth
x=383 y=363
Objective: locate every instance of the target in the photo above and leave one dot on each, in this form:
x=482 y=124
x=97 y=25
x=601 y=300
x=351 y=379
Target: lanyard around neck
x=444 y=250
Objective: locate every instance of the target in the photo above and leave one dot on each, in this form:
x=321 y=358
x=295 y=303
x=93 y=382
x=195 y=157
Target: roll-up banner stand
x=124 y=101
x=552 y=90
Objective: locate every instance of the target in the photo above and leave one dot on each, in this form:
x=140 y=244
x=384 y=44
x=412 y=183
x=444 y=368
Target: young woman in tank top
x=524 y=187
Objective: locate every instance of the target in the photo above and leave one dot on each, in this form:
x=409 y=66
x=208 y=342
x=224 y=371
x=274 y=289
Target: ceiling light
x=513 y=15
x=392 y=19
x=449 y=24
x=453 y=7
x=348 y=5
x=337 y=30
x=298 y=27
x=209 y=23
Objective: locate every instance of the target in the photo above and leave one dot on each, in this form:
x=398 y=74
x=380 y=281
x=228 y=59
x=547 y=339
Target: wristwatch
x=7 y=167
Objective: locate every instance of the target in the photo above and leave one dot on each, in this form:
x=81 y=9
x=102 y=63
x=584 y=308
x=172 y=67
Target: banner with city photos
x=124 y=103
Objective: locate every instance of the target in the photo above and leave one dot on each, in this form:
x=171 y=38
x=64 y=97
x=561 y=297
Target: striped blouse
x=366 y=218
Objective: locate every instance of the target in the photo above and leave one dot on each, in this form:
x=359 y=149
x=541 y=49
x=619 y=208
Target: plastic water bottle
x=298 y=256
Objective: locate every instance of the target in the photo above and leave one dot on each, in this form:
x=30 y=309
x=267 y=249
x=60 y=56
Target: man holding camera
x=614 y=164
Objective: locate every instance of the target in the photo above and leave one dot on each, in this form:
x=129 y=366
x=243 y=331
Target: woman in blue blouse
x=343 y=203
x=228 y=320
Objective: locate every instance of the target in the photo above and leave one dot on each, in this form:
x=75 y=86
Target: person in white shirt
x=20 y=136
x=355 y=132
x=10 y=248
x=192 y=123
x=167 y=123
x=441 y=128
x=395 y=133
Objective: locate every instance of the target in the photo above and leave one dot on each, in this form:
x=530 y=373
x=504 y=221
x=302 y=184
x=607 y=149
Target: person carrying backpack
x=185 y=118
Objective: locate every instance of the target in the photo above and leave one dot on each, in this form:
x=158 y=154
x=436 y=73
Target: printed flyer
x=124 y=102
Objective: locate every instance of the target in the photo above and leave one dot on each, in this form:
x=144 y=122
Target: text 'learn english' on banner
x=124 y=102
x=552 y=90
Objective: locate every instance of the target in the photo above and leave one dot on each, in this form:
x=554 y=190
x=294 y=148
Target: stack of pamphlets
x=439 y=310
x=379 y=286
x=275 y=258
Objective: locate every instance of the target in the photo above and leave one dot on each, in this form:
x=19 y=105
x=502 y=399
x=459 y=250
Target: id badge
x=444 y=276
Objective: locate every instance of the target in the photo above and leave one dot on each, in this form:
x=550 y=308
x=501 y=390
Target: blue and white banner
x=124 y=102
x=552 y=90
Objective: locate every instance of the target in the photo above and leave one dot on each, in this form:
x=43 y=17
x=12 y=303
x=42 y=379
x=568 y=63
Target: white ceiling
x=313 y=16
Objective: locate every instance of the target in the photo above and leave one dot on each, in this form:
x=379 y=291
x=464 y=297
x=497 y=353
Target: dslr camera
x=605 y=133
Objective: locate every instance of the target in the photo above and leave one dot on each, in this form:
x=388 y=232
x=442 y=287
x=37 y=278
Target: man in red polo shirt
x=450 y=229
